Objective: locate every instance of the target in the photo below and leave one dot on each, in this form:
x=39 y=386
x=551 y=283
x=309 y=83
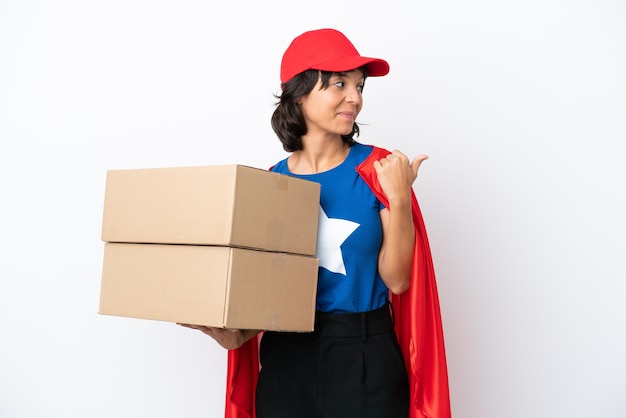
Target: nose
x=353 y=95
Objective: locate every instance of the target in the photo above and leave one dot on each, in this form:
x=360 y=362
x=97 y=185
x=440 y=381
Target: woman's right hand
x=231 y=339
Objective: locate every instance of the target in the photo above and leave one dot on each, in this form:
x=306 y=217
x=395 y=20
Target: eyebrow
x=345 y=74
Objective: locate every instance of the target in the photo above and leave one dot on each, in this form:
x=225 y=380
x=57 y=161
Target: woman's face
x=333 y=110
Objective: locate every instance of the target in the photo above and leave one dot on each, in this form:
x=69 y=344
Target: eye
x=339 y=83
x=360 y=87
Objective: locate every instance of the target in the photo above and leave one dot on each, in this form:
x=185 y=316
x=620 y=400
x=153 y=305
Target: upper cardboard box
x=227 y=205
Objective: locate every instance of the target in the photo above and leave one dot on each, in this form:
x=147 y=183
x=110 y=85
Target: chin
x=346 y=131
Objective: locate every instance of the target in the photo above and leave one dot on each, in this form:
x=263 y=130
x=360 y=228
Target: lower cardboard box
x=209 y=285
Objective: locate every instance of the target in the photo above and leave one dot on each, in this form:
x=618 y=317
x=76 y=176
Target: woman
x=352 y=364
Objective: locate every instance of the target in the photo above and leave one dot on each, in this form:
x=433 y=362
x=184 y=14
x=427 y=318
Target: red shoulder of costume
x=368 y=173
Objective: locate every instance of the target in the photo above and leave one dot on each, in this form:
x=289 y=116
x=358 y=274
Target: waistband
x=353 y=325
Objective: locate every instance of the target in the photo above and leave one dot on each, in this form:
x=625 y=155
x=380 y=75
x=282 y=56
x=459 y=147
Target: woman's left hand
x=396 y=174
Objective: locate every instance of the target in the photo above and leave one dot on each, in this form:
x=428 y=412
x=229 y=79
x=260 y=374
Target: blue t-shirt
x=349 y=237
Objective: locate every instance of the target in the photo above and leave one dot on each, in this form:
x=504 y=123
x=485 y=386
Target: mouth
x=347 y=115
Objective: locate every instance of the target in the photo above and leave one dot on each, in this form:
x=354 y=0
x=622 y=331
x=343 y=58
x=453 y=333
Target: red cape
x=417 y=325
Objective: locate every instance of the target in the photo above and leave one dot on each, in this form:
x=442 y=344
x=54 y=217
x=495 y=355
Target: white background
x=520 y=105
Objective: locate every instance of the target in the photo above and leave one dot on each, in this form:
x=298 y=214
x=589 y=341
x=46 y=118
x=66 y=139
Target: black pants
x=349 y=367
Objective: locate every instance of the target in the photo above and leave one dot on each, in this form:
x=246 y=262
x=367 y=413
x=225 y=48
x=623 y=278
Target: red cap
x=326 y=50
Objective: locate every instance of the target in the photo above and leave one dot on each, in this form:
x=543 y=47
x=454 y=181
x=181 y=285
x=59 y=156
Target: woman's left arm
x=396 y=175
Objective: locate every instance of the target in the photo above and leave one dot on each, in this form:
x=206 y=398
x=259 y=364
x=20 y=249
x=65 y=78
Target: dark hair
x=287 y=120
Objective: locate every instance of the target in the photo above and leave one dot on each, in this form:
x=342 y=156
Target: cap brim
x=376 y=67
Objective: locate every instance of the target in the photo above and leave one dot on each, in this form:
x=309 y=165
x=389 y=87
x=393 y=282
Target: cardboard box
x=228 y=205
x=209 y=285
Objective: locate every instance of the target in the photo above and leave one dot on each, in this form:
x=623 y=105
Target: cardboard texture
x=209 y=285
x=227 y=205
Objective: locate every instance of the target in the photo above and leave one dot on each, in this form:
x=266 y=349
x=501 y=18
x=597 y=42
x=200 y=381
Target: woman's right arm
x=230 y=339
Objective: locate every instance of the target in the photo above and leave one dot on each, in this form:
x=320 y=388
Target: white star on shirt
x=332 y=232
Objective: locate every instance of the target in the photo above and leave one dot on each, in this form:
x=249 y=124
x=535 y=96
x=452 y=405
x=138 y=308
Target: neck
x=318 y=156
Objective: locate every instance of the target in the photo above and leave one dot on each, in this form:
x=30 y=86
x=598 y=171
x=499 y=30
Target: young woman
x=370 y=229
